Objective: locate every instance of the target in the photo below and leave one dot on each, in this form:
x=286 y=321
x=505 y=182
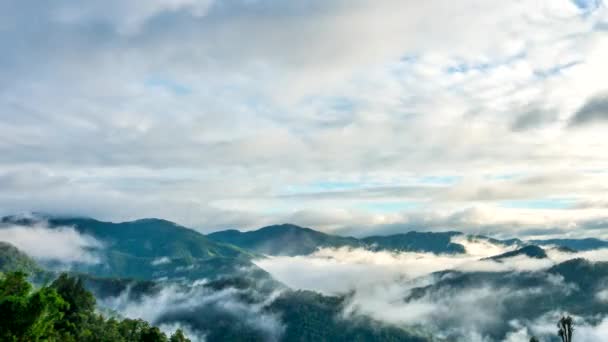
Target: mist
x=196 y=309
x=386 y=286
x=60 y=244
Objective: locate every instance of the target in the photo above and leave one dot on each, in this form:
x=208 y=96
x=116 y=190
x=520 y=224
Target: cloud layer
x=363 y=115
x=403 y=289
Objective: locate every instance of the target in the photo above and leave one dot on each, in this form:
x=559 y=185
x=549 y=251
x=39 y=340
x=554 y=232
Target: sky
x=349 y=116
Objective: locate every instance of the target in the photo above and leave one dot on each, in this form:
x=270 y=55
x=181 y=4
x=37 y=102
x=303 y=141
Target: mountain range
x=212 y=284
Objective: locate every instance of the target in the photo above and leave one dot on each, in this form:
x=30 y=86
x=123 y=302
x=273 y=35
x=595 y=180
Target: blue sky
x=349 y=116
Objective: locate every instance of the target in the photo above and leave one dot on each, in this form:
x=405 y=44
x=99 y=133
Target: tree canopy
x=64 y=311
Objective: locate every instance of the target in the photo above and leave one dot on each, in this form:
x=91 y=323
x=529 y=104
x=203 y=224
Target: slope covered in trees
x=64 y=311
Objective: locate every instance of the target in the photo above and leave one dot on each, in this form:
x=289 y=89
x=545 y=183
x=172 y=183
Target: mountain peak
x=531 y=251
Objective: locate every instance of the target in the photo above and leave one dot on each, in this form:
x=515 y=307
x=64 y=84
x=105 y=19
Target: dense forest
x=64 y=311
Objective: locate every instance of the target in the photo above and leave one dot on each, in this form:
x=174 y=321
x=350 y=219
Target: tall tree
x=566 y=328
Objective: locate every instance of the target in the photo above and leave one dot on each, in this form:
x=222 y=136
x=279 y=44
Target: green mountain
x=573 y=244
x=150 y=249
x=151 y=238
x=285 y=239
x=514 y=295
x=530 y=251
x=289 y=239
x=439 y=243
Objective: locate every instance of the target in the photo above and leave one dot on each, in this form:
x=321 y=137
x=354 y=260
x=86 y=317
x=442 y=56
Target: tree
x=152 y=334
x=178 y=336
x=533 y=339
x=27 y=316
x=81 y=304
x=64 y=311
x=566 y=328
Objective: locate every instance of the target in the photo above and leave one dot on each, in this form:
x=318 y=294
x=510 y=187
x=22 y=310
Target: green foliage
x=27 y=315
x=64 y=311
x=81 y=304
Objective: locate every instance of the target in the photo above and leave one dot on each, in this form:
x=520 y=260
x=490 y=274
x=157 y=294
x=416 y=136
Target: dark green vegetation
x=63 y=311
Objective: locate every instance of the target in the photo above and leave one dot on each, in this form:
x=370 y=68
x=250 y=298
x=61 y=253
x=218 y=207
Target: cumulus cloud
x=198 y=103
x=594 y=110
x=59 y=244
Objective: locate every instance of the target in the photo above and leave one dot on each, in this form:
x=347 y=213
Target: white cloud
x=338 y=271
x=161 y=261
x=200 y=104
x=63 y=244
x=377 y=283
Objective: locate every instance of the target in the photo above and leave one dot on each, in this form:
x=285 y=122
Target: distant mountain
x=152 y=238
x=439 y=243
x=289 y=239
x=574 y=244
x=569 y=286
x=284 y=239
x=530 y=251
x=506 y=242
